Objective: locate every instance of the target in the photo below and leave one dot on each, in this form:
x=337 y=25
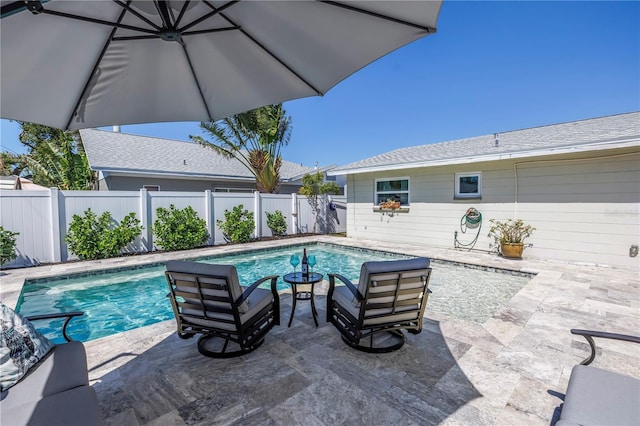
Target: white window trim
x=457 y=193
x=375 y=189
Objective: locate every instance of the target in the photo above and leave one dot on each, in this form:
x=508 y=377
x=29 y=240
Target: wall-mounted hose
x=472 y=219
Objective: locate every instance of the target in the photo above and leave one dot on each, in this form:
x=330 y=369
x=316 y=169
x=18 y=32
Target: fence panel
x=180 y=200
x=227 y=201
x=270 y=203
x=42 y=218
x=118 y=203
x=31 y=217
x=337 y=214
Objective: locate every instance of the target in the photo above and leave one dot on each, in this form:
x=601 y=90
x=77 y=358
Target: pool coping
x=13 y=279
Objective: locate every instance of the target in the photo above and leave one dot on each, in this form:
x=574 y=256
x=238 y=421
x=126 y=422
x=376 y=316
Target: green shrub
x=277 y=222
x=238 y=225
x=7 y=245
x=93 y=237
x=179 y=229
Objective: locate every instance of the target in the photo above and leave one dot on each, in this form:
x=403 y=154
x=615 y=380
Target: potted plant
x=511 y=235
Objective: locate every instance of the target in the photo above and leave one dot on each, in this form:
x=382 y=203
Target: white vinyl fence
x=42 y=217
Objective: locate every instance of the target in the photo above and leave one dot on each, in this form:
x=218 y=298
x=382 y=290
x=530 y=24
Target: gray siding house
x=126 y=162
x=578 y=183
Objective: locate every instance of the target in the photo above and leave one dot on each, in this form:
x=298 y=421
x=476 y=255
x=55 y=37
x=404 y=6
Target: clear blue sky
x=491 y=67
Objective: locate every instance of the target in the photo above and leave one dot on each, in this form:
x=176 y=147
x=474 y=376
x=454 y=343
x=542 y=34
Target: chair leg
x=378 y=342
x=216 y=347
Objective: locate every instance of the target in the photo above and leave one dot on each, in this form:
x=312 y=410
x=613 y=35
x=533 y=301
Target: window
x=396 y=189
x=468 y=185
x=151 y=187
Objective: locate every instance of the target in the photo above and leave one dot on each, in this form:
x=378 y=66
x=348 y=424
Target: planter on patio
x=512 y=250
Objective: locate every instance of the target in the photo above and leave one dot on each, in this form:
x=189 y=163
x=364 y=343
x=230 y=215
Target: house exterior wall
x=134 y=183
x=585 y=207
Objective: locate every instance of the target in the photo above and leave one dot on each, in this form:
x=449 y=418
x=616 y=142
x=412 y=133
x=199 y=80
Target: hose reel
x=472 y=219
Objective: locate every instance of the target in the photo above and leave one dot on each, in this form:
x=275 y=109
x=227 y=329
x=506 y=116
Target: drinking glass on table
x=312 y=261
x=295 y=261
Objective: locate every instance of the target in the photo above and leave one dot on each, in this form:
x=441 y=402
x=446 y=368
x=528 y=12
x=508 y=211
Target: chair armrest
x=590 y=334
x=352 y=288
x=67 y=315
x=252 y=287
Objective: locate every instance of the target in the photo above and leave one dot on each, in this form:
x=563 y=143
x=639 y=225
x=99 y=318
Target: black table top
x=296 y=278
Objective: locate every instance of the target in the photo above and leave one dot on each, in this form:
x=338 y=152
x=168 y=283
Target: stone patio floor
x=511 y=370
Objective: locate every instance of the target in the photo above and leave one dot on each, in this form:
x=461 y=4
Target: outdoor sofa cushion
x=600 y=397
x=21 y=347
x=55 y=390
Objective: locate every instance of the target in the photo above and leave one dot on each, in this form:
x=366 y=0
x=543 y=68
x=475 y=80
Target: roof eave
x=635 y=141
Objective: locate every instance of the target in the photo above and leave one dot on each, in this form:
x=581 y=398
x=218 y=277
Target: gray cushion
x=343 y=297
x=64 y=368
x=371 y=268
x=75 y=407
x=199 y=268
x=600 y=397
x=21 y=347
x=258 y=299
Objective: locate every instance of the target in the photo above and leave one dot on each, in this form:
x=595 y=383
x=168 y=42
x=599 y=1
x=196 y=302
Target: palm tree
x=56 y=157
x=254 y=138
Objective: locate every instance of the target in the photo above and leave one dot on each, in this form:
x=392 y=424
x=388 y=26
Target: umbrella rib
x=270 y=53
x=195 y=78
x=137 y=14
x=188 y=33
x=378 y=15
x=98 y=21
x=95 y=67
x=182 y=11
x=215 y=11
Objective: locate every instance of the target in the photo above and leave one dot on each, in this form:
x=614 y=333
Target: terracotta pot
x=513 y=250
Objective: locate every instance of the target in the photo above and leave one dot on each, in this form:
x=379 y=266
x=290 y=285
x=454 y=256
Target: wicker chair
x=391 y=296
x=208 y=300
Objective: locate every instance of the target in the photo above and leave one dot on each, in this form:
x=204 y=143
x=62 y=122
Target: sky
x=491 y=67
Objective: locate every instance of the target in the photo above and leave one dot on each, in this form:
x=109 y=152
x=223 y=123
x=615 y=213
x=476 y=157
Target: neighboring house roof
x=19 y=183
x=613 y=131
x=116 y=152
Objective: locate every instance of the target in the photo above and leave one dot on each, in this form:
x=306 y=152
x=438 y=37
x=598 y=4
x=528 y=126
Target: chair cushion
x=78 y=406
x=600 y=397
x=199 y=268
x=258 y=299
x=370 y=268
x=65 y=367
x=21 y=347
x=342 y=296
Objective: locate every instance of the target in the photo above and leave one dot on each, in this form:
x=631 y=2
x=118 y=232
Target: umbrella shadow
x=301 y=374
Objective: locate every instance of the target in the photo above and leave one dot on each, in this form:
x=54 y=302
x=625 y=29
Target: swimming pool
x=116 y=301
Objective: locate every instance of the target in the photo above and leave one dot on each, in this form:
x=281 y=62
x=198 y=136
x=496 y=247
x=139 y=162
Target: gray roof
x=597 y=133
x=125 y=153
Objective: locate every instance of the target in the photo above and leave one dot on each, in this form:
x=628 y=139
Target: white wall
x=42 y=217
x=585 y=209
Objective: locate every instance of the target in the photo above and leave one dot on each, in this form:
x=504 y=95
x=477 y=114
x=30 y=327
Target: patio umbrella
x=79 y=64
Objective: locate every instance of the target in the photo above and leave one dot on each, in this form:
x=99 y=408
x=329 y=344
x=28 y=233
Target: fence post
x=56 y=229
x=208 y=207
x=294 y=212
x=257 y=215
x=145 y=219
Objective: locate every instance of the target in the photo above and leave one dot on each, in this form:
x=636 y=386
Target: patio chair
x=600 y=397
x=391 y=296
x=208 y=300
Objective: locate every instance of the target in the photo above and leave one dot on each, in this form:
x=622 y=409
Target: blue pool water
x=118 y=301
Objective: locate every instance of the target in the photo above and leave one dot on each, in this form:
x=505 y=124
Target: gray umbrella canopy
x=79 y=64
